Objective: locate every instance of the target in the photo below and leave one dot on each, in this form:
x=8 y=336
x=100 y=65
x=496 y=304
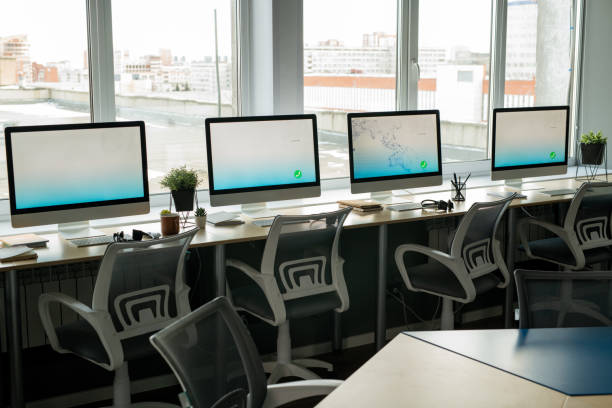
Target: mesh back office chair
x=300 y=275
x=217 y=364
x=140 y=289
x=475 y=263
x=584 y=238
x=564 y=299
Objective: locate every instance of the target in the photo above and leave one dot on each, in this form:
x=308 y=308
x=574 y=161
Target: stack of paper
x=360 y=205
x=17 y=253
x=223 y=218
x=30 y=240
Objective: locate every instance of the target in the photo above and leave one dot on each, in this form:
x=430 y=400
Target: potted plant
x=170 y=224
x=182 y=183
x=200 y=217
x=592 y=146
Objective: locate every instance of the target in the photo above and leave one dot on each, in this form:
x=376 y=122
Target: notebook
x=360 y=205
x=30 y=240
x=17 y=253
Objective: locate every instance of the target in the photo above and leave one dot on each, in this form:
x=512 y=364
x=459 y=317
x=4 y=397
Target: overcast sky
x=57 y=29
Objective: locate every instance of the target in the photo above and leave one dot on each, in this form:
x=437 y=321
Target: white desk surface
x=59 y=251
x=414 y=374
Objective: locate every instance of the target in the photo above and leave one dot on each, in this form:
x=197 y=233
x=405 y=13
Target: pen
x=466 y=179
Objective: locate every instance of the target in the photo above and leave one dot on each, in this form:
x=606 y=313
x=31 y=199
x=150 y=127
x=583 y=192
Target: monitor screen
x=391 y=145
x=530 y=137
x=76 y=166
x=261 y=153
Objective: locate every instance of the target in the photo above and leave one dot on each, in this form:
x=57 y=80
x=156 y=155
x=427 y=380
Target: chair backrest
x=214 y=358
x=141 y=284
x=564 y=299
x=302 y=252
x=589 y=215
x=475 y=241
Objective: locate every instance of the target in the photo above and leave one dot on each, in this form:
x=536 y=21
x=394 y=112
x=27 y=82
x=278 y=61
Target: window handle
x=415 y=63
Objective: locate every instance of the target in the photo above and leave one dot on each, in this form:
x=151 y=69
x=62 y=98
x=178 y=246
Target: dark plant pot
x=183 y=199
x=592 y=153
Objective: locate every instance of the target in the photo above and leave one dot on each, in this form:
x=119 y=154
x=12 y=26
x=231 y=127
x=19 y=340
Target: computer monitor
x=394 y=150
x=262 y=158
x=529 y=142
x=70 y=174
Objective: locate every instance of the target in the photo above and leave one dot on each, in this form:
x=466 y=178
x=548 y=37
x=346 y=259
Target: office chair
x=583 y=239
x=564 y=299
x=216 y=362
x=140 y=288
x=300 y=275
x=475 y=263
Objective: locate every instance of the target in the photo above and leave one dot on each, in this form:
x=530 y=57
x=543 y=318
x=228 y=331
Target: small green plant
x=180 y=179
x=593 y=138
x=200 y=212
x=165 y=212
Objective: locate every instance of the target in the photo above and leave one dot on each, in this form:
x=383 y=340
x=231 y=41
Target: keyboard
x=266 y=222
x=90 y=241
x=560 y=192
x=505 y=194
x=403 y=206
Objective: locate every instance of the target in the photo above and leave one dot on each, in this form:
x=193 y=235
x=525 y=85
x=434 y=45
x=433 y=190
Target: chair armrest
x=267 y=283
x=568 y=238
x=281 y=394
x=454 y=265
x=100 y=321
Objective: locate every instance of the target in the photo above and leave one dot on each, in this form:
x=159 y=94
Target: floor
x=345 y=363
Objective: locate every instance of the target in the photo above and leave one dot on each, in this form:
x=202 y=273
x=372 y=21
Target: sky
x=145 y=26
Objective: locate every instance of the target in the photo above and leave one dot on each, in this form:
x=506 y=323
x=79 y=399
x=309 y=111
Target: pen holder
x=459 y=191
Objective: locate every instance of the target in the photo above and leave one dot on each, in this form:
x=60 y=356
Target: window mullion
x=497 y=64
x=100 y=54
x=407 y=54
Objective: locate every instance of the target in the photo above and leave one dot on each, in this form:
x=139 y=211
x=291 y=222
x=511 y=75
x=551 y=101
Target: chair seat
x=557 y=251
x=436 y=278
x=80 y=338
x=252 y=298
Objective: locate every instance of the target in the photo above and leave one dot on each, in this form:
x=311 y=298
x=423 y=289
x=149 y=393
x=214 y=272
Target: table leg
x=510 y=249
x=13 y=320
x=381 y=299
x=220 y=269
x=337 y=339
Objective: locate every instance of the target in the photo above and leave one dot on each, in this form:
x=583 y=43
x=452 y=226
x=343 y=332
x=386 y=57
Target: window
x=453 y=55
x=167 y=75
x=350 y=52
x=43 y=67
x=538 y=52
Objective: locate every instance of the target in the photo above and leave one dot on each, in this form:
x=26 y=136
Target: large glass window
x=43 y=67
x=168 y=72
x=538 y=52
x=350 y=52
x=453 y=56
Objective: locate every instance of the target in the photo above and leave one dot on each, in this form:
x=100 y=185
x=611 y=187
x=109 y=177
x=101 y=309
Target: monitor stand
x=257 y=210
x=80 y=229
x=382 y=197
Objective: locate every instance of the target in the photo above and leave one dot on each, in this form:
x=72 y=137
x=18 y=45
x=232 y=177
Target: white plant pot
x=200 y=222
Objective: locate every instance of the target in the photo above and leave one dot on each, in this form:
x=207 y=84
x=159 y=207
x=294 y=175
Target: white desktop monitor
x=76 y=173
x=394 y=150
x=262 y=158
x=529 y=142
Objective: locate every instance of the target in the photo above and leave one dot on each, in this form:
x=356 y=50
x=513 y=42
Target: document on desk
x=17 y=253
x=223 y=218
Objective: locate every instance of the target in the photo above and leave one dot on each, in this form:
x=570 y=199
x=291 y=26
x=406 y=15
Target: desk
x=61 y=252
x=485 y=368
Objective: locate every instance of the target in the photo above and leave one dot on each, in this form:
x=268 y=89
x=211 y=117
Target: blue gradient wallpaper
x=530 y=137
x=394 y=145
x=262 y=153
x=76 y=166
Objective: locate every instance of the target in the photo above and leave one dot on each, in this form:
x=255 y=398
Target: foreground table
x=485 y=368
